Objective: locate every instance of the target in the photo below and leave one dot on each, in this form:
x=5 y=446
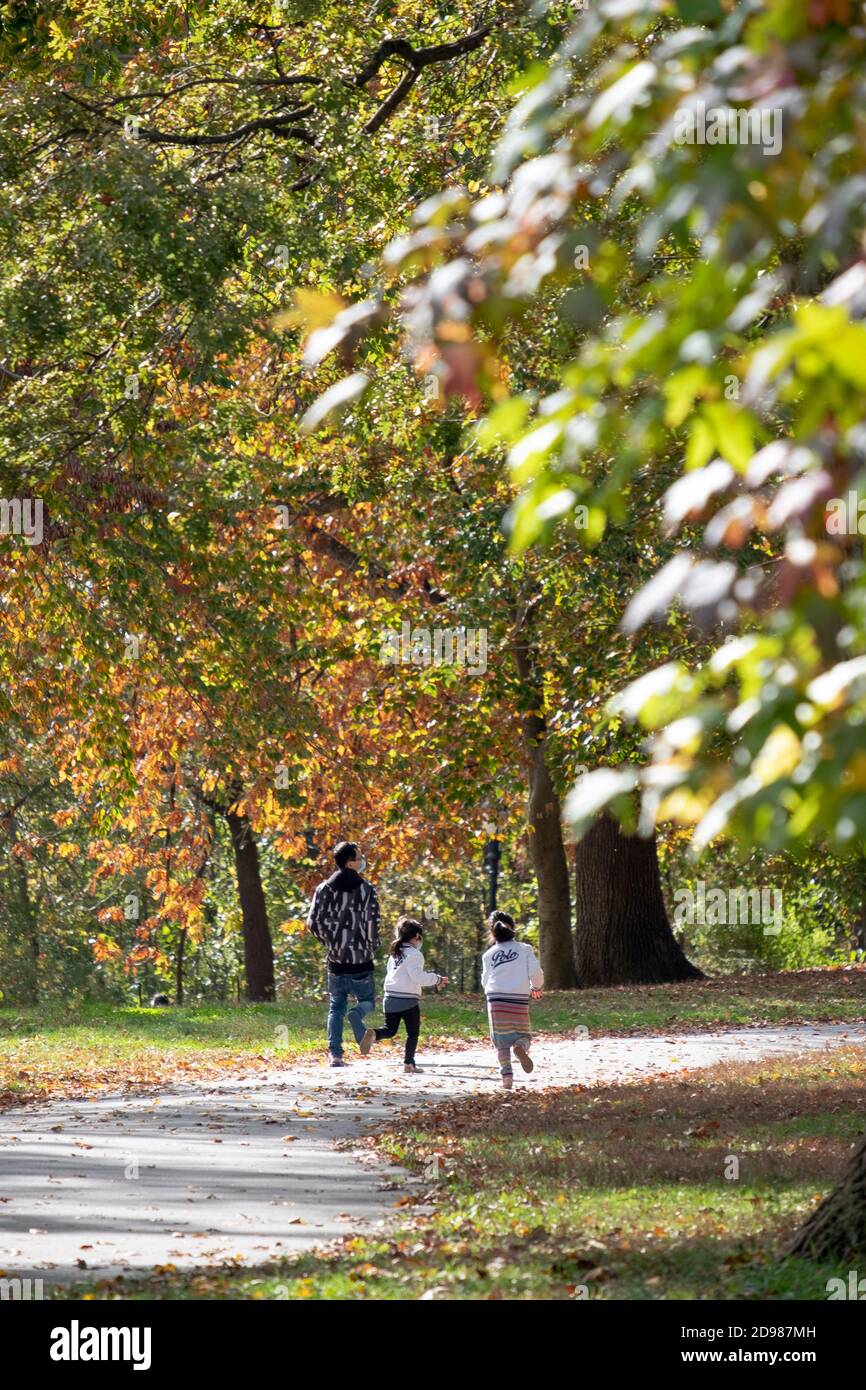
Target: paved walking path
x=247 y=1170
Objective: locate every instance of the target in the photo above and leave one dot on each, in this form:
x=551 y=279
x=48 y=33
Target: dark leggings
x=412 y=1019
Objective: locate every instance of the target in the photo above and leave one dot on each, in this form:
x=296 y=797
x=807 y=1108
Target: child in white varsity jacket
x=510 y=973
x=404 y=980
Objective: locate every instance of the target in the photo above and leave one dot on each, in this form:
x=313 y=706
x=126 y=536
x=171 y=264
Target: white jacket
x=408 y=976
x=510 y=967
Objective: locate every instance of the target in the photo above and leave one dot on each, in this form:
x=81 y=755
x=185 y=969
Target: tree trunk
x=479 y=952
x=31 y=927
x=29 y=991
x=858 y=934
x=836 y=1230
x=622 y=933
x=178 y=967
x=201 y=873
x=551 y=872
x=545 y=824
x=258 y=950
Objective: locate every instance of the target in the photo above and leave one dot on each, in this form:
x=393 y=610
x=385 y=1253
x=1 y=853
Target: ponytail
x=405 y=930
x=501 y=927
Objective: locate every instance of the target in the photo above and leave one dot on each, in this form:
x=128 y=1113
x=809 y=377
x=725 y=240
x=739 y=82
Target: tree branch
x=376 y=574
x=391 y=102
x=283 y=123
x=417 y=59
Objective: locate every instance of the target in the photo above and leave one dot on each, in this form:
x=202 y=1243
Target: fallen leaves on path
x=75 y=1075
x=678 y=1130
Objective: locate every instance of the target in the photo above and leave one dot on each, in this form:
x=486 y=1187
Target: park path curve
x=246 y=1170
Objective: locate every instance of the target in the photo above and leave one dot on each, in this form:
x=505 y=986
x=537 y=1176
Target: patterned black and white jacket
x=344 y=916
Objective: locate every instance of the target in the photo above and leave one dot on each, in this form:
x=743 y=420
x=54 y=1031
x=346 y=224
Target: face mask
x=362 y=863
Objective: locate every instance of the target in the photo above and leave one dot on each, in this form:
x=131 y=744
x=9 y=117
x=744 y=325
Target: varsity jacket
x=511 y=967
x=344 y=916
x=405 y=979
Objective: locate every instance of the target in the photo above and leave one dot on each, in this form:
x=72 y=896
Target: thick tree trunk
x=258 y=950
x=836 y=1230
x=551 y=872
x=547 y=847
x=622 y=933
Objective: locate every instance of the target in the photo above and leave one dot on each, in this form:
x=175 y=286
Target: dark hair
x=405 y=930
x=501 y=926
x=345 y=851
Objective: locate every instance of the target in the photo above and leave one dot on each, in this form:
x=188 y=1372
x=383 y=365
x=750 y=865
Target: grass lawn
x=600 y=1192
x=59 y=1050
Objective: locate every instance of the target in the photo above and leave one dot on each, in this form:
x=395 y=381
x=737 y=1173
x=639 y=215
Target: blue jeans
x=339 y=988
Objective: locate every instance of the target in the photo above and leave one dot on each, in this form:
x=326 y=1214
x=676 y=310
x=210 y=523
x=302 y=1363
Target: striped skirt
x=509 y=1019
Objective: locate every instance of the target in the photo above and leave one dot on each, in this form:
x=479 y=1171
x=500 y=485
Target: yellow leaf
x=780 y=755
x=293 y=926
x=312 y=309
x=854 y=776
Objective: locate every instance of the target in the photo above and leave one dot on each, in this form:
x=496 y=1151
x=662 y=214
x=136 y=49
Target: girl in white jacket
x=404 y=980
x=510 y=972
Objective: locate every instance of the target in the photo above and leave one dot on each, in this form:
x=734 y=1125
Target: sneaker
x=367 y=1041
x=409 y=1068
x=507 y=1083
x=523 y=1057
x=334 y=1060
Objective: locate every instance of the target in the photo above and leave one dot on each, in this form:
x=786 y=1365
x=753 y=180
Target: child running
x=510 y=973
x=404 y=980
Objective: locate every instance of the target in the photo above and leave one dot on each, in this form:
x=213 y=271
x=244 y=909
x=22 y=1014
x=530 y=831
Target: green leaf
x=699 y=11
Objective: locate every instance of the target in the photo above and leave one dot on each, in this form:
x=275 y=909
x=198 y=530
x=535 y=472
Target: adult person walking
x=344 y=916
